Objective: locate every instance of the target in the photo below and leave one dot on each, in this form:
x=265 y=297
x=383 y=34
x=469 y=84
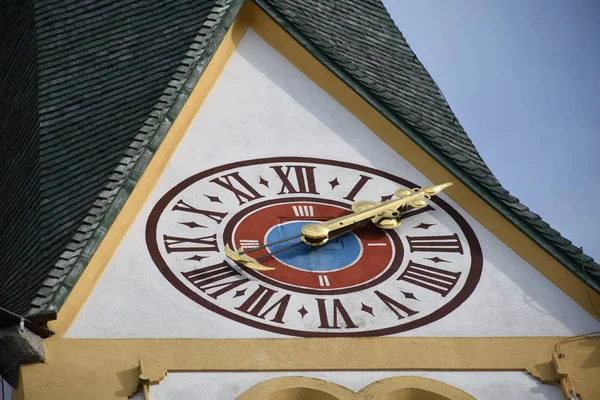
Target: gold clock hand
x=317 y=234
x=271 y=244
x=243 y=258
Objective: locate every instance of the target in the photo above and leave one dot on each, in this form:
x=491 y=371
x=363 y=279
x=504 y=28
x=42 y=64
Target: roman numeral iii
x=444 y=243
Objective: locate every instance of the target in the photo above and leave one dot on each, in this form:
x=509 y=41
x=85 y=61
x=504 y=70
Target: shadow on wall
x=5 y=390
x=397 y=388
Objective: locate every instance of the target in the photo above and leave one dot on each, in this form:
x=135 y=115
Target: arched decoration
x=412 y=388
x=296 y=388
x=396 y=388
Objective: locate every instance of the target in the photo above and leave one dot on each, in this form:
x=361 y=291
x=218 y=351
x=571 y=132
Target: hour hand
x=241 y=256
x=245 y=259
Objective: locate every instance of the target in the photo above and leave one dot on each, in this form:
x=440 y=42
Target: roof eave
x=52 y=297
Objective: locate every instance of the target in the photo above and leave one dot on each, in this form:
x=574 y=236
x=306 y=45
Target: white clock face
x=367 y=282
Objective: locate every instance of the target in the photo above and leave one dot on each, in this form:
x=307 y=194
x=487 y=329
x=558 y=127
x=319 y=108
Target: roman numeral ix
x=180 y=244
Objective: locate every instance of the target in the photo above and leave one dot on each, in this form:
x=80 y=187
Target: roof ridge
x=84 y=242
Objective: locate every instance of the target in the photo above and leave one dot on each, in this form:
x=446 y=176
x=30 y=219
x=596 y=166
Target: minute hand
x=319 y=234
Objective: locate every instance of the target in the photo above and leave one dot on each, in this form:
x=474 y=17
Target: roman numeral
x=444 y=244
x=304 y=211
x=357 y=188
x=397 y=308
x=244 y=194
x=214 y=215
x=324 y=280
x=339 y=312
x=258 y=300
x=411 y=212
x=431 y=278
x=179 y=244
x=215 y=277
x=303 y=179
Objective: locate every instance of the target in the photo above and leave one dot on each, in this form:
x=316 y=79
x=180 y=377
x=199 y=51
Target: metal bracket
x=561 y=375
x=144 y=381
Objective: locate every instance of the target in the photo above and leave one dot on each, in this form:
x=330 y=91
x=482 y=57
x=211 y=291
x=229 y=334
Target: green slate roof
x=112 y=77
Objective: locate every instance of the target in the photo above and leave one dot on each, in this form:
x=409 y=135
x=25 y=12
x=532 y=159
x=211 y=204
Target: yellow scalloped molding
x=396 y=388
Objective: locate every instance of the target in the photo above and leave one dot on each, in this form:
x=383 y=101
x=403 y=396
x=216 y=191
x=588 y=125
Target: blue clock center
x=336 y=254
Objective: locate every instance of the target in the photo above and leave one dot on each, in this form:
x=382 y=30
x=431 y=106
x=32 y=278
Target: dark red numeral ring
x=351 y=262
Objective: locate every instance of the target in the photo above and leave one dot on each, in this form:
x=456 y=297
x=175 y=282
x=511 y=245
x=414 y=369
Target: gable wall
x=264 y=107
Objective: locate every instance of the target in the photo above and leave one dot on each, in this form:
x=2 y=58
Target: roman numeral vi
x=339 y=313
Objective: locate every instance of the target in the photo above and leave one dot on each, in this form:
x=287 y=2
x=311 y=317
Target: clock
x=366 y=281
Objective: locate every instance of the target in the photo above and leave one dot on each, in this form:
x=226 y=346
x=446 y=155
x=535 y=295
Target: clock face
x=367 y=282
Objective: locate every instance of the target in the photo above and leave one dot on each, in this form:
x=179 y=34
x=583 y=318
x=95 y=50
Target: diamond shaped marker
x=334 y=183
x=196 y=258
x=437 y=260
x=423 y=226
x=385 y=198
x=213 y=199
x=367 y=309
x=192 y=224
x=263 y=182
x=240 y=293
x=303 y=312
x=409 y=295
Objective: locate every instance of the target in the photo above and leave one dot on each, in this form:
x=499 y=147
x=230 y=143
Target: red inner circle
x=377 y=251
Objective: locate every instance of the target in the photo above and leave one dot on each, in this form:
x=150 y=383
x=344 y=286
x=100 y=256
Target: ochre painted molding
x=108 y=368
x=84 y=287
x=396 y=388
x=275 y=36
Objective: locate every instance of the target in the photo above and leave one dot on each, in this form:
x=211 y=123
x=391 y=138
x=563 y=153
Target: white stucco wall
x=229 y=385
x=262 y=106
x=6 y=391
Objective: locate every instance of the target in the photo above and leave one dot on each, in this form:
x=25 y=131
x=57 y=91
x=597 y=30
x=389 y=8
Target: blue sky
x=523 y=78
